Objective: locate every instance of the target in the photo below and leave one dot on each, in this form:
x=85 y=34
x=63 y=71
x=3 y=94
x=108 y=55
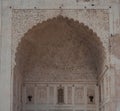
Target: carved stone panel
x=51 y=95
x=90 y=95
x=79 y=95
x=69 y=95
x=30 y=95
x=60 y=95
x=42 y=95
x=107 y=86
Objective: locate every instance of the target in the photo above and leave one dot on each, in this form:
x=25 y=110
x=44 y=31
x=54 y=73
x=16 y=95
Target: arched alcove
x=58 y=50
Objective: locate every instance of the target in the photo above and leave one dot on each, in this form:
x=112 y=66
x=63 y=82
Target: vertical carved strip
x=51 y=95
x=69 y=95
x=42 y=95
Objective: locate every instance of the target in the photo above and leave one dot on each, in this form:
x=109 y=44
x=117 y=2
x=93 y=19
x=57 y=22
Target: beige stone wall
x=5 y=58
x=51 y=9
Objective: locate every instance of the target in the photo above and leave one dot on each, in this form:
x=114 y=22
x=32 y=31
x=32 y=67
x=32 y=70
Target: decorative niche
x=60 y=95
x=91 y=96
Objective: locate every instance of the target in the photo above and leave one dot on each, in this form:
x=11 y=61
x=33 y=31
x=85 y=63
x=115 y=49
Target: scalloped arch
x=54 y=35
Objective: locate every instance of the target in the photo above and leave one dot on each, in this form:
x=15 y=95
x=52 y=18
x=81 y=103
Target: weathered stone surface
x=23 y=20
x=17 y=17
x=59 y=47
x=115 y=46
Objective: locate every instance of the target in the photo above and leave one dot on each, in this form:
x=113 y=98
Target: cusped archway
x=59 y=50
x=61 y=44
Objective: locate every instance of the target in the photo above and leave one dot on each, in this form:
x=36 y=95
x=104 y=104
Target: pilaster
x=5 y=68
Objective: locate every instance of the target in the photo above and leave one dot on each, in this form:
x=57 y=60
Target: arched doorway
x=57 y=67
